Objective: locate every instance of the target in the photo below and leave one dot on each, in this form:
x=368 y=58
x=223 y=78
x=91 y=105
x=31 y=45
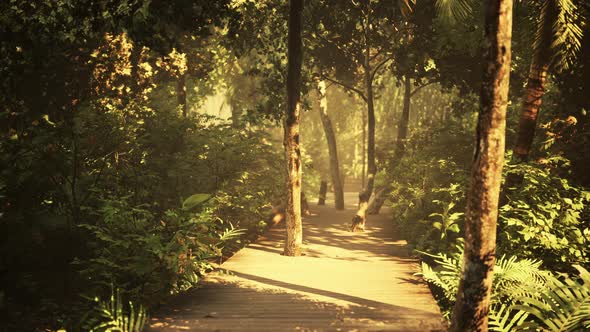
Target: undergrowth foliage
x=101 y=196
x=543 y=230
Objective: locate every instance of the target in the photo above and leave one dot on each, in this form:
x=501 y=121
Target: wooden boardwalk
x=344 y=282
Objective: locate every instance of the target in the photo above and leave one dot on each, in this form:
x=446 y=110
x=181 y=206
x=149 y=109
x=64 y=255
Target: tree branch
x=378 y=66
x=341 y=49
x=421 y=86
x=347 y=87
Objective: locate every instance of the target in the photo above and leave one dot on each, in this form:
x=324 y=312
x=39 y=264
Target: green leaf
x=454 y=228
x=195 y=200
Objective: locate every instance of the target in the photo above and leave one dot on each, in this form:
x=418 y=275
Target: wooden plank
x=344 y=282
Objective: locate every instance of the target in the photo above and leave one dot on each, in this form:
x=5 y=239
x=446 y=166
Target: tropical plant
x=544 y=216
x=115 y=315
x=563 y=306
x=513 y=278
x=502 y=319
x=153 y=256
x=447 y=221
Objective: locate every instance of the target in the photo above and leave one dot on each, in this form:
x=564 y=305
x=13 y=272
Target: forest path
x=344 y=282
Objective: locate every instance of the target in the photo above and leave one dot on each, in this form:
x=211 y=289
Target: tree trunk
x=181 y=93
x=402 y=134
x=363 y=149
x=304 y=206
x=332 y=150
x=379 y=199
x=473 y=297
x=533 y=95
x=361 y=215
x=294 y=236
x=535 y=89
x=400 y=148
x=323 y=192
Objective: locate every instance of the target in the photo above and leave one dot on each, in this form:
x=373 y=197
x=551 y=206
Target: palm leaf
x=454 y=11
x=559 y=32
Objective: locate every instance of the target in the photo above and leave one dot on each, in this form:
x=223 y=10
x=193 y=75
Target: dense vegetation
x=141 y=145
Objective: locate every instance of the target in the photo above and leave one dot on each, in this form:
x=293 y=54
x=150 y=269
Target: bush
x=149 y=257
x=544 y=216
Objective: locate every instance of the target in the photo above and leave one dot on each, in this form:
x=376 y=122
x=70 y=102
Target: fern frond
x=564 y=306
x=447 y=285
x=514 y=278
x=231 y=233
x=503 y=319
x=114 y=317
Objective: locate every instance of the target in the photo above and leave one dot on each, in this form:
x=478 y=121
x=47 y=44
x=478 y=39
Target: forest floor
x=344 y=282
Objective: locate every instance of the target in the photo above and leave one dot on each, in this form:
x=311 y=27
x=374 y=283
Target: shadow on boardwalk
x=345 y=282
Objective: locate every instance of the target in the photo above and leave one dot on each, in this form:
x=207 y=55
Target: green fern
x=447 y=274
x=514 y=278
x=114 y=318
x=503 y=319
x=563 y=306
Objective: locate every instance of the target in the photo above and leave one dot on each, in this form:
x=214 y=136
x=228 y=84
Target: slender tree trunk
x=535 y=87
x=360 y=217
x=294 y=236
x=332 y=150
x=181 y=93
x=363 y=149
x=402 y=134
x=323 y=192
x=473 y=297
x=400 y=148
x=371 y=166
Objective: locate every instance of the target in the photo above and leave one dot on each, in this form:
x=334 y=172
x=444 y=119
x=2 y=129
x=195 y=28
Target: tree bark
x=323 y=192
x=535 y=87
x=294 y=236
x=400 y=148
x=181 y=93
x=473 y=297
x=402 y=134
x=332 y=150
x=363 y=149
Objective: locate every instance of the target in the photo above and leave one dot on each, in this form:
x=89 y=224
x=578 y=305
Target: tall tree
x=354 y=46
x=402 y=135
x=332 y=149
x=412 y=66
x=473 y=297
x=557 y=39
x=291 y=127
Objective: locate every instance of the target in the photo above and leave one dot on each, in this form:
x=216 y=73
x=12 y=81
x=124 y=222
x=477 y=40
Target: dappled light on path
x=345 y=281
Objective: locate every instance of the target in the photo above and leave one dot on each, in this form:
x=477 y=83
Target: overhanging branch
x=347 y=87
x=421 y=86
x=379 y=65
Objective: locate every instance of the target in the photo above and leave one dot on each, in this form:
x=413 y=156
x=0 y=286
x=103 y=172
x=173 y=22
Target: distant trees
x=473 y=297
x=291 y=127
x=353 y=46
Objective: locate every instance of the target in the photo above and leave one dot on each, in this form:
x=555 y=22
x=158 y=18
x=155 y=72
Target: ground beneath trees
x=346 y=281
